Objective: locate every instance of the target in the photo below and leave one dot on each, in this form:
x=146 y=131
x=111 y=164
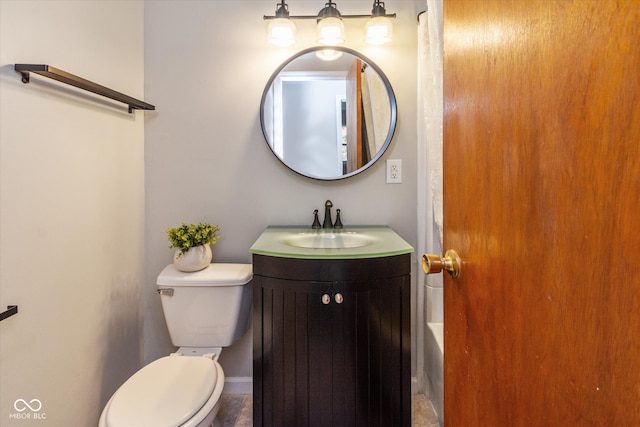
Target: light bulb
x=379 y=30
x=330 y=31
x=282 y=32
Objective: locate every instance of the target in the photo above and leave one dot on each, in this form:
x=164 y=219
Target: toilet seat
x=168 y=392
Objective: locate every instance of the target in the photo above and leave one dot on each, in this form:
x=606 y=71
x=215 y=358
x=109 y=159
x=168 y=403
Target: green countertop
x=376 y=241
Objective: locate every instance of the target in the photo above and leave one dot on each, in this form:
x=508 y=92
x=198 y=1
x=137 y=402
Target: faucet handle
x=338 y=223
x=316 y=221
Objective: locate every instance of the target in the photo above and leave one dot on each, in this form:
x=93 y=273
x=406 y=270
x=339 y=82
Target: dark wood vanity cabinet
x=332 y=344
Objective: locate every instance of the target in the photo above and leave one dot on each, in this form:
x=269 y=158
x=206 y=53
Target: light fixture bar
x=331 y=9
x=330 y=29
x=388 y=15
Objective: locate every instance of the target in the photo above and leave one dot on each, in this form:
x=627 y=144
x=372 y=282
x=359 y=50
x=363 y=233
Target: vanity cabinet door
x=371 y=354
x=292 y=353
x=333 y=353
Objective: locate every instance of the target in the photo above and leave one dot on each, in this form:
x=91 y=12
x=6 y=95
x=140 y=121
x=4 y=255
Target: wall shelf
x=79 y=82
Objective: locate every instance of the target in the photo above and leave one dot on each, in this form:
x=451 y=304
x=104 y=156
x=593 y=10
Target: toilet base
x=210 y=420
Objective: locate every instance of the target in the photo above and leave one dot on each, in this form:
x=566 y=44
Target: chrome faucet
x=327 y=215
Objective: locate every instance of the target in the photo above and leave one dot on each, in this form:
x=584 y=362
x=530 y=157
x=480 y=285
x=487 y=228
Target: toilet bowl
x=204 y=311
x=169 y=392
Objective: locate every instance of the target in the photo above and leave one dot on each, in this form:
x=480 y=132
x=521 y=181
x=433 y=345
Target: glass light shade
x=379 y=30
x=328 y=54
x=282 y=32
x=330 y=31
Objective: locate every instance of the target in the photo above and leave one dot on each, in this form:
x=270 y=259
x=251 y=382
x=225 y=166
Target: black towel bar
x=79 y=82
x=11 y=310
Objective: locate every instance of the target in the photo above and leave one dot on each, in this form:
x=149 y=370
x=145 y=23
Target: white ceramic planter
x=194 y=259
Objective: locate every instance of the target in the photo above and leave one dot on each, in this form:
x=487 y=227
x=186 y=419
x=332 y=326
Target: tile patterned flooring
x=422 y=412
x=235 y=411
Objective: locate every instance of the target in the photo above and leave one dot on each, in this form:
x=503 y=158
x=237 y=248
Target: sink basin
x=353 y=242
x=345 y=240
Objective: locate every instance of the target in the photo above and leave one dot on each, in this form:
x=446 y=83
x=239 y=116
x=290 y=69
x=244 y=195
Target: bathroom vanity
x=331 y=327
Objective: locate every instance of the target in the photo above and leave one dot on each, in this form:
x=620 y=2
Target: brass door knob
x=432 y=264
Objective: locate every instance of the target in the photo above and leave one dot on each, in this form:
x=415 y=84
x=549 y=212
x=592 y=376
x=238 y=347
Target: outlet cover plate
x=394 y=171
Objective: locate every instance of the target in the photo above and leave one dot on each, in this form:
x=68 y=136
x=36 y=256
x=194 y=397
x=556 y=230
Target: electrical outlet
x=394 y=171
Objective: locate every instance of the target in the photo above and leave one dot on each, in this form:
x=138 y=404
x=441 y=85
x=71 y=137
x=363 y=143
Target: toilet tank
x=206 y=308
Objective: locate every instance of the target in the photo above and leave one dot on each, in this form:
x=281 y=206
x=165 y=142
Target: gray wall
x=206 y=65
x=71 y=210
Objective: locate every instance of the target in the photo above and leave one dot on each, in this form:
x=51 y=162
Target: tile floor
x=235 y=411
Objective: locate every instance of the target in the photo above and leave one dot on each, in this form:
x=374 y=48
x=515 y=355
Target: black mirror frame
x=392 y=102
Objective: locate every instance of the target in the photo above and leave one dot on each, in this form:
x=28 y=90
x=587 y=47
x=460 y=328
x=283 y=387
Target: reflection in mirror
x=328 y=119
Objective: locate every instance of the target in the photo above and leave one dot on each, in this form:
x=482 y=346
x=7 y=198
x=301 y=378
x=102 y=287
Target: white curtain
x=430 y=112
x=429 y=197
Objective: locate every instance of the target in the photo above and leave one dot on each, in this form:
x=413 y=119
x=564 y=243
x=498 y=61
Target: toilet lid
x=165 y=393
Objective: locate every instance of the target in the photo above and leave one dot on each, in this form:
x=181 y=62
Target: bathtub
x=434 y=366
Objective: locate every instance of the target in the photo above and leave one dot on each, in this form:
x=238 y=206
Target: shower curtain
x=430 y=237
x=430 y=111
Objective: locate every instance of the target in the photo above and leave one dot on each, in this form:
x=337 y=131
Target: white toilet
x=205 y=311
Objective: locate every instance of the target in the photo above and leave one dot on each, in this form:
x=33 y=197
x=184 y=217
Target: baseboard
x=238 y=385
x=416 y=388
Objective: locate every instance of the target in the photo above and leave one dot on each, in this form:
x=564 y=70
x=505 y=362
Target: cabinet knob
x=326 y=299
x=338 y=297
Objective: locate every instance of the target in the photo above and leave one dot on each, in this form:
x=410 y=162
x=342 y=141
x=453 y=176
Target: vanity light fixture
x=330 y=28
x=379 y=29
x=281 y=29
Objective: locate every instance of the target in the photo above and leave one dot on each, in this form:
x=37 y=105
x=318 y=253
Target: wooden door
x=542 y=202
x=354 y=117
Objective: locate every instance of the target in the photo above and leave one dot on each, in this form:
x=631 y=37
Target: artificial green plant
x=190 y=235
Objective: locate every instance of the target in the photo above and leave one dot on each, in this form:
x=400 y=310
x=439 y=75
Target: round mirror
x=328 y=113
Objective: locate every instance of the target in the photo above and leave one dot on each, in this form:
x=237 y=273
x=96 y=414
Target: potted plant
x=192 y=243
